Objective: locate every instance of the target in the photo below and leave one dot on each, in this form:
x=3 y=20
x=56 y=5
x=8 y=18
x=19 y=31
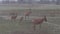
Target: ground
x=11 y=27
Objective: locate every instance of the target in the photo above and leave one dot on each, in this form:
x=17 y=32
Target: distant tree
x=41 y=1
x=58 y=2
x=48 y=2
x=20 y=1
x=30 y=1
x=53 y=1
x=5 y=1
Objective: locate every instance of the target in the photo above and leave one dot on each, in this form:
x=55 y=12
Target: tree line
x=57 y=2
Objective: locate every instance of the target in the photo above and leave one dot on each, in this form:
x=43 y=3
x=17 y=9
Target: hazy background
x=30 y=1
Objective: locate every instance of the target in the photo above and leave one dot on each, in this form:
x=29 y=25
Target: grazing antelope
x=38 y=21
x=27 y=14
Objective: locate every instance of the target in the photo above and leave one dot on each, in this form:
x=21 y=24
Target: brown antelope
x=13 y=16
x=38 y=21
x=27 y=14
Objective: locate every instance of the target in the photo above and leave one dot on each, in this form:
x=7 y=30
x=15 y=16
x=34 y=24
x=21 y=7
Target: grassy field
x=26 y=6
x=11 y=27
x=37 y=9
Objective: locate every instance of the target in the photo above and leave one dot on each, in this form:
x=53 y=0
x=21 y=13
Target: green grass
x=6 y=25
x=25 y=6
x=25 y=26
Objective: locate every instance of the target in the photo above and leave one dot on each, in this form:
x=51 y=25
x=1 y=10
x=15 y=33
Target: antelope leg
x=28 y=17
x=34 y=27
x=39 y=26
x=25 y=18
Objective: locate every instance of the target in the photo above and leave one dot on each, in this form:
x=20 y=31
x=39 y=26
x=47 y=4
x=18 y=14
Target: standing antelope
x=27 y=14
x=13 y=16
x=38 y=21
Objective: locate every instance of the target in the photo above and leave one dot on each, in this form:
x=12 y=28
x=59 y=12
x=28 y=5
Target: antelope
x=38 y=21
x=14 y=16
x=27 y=14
